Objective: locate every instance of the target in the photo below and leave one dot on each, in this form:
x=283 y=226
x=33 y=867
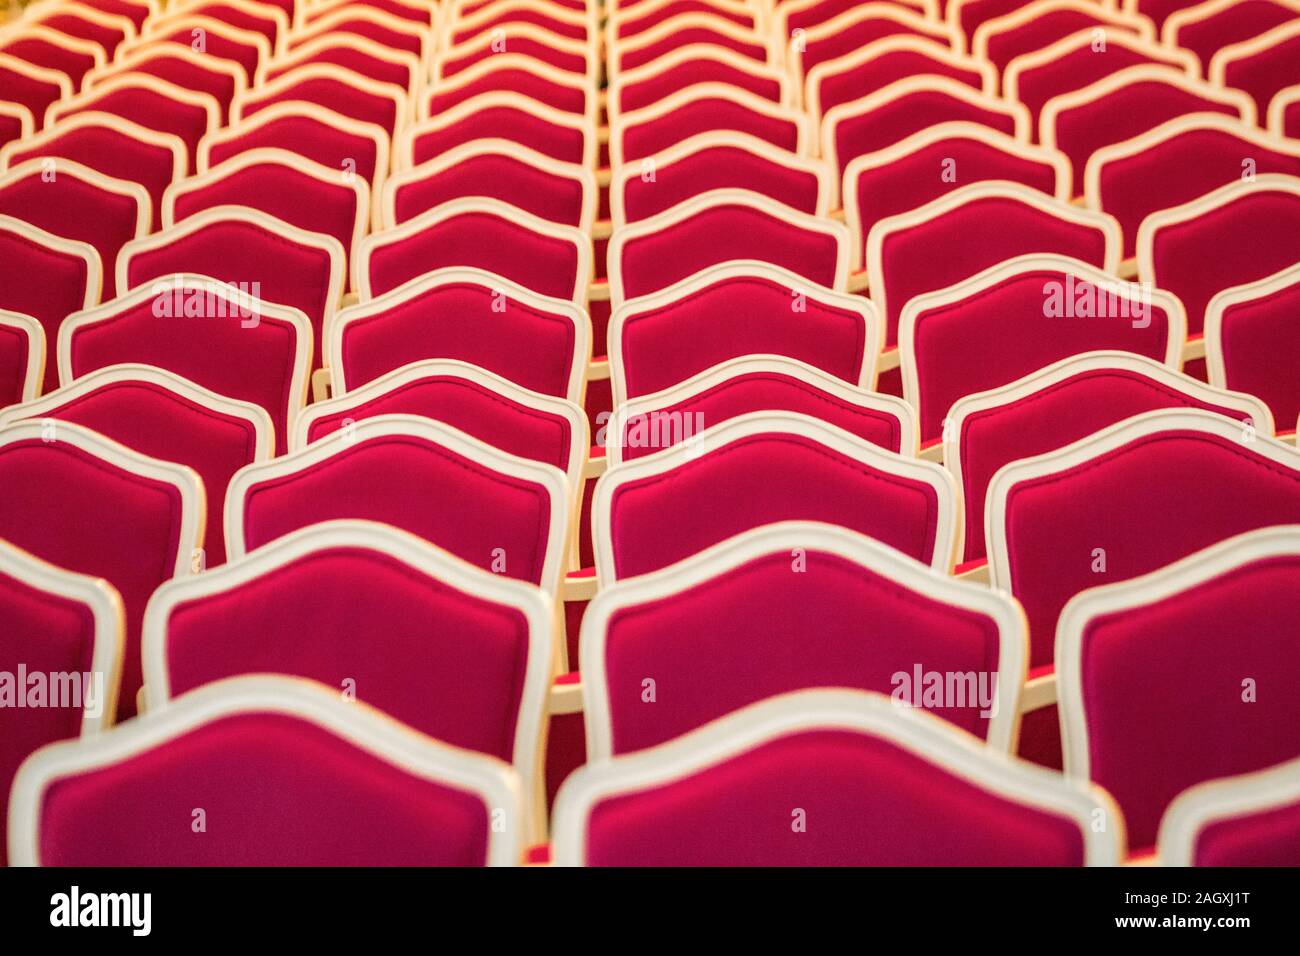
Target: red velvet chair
x=513 y=73
x=22 y=358
x=1241 y=232
x=283 y=264
x=706 y=108
x=1158 y=676
x=1018 y=317
x=110 y=145
x=1207 y=28
x=502 y=513
x=419 y=15
x=457 y=653
x=56 y=623
x=1126 y=104
x=159 y=414
x=45 y=278
x=218 y=336
x=1039 y=24
x=1127 y=500
x=689 y=29
x=563 y=193
x=77 y=203
x=764 y=467
x=1060 y=404
x=1071 y=63
x=888 y=116
x=461 y=27
x=578 y=57
x=322 y=771
x=902 y=177
x=691 y=66
x=31 y=86
x=877 y=66
x=358 y=54
x=367 y=21
x=802 y=15
x=48 y=48
x=326 y=138
x=465 y=314
x=149 y=102
x=489 y=234
x=887 y=788
x=1177 y=162
x=756 y=383
x=720 y=226
x=627 y=21
x=1249 y=820
x=1251 y=343
x=1263 y=66
x=247 y=48
x=282 y=184
x=85 y=503
x=719 y=160
x=82 y=21
x=334 y=88
x=270 y=21
x=972 y=229
x=790 y=606
x=737 y=309
x=180 y=66
x=561 y=136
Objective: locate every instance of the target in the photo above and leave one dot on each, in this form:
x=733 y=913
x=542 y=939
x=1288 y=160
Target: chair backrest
x=149 y=102
x=22 y=357
x=905 y=107
x=74 y=202
x=45 y=47
x=1263 y=66
x=513 y=73
x=467 y=314
x=1036 y=25
x=718 y=226
x=420 y=15
x=1249 y=820
x=708 y=107
x=1250 y=338
x=755 y=383
x=936 y=161
x=298 y=745
x=1177 y=162
x=482 y=404
x=1127 y=103
x=887 y=61
x=86 y=23
x=478 y=233
x=65 y=630
x=34 y=87
x=1207 y=28
x=247 y=48
x=1242 y=232
x=1126 y=500
x=218 y=336
x=719 y=160
x=692 y=65
x=737 y=309
x=497 y=511
x=578 y=57
x=1072 y=62
x=563 y=193
x=45 y=278
x=111 y=145
x=275 y=261
x=159 y=414
x=1062 y=403
x=323 y=136
x=358 y=54
x=85 y=503
x=895 y=788
x=764 y=467
x=789 y=606
x=1150 y=670
x=560 y=22
x=181 y=66
x=453 y=651
x=855 y=29
x=628 y=21
x=792 y=16
x=334 y=88
x=263 y=18
x=368 y=22
x=973 y=228
x=507 y=115
x=689 y=29
x=283 y=184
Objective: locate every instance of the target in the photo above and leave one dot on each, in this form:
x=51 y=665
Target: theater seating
x=638 y=394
